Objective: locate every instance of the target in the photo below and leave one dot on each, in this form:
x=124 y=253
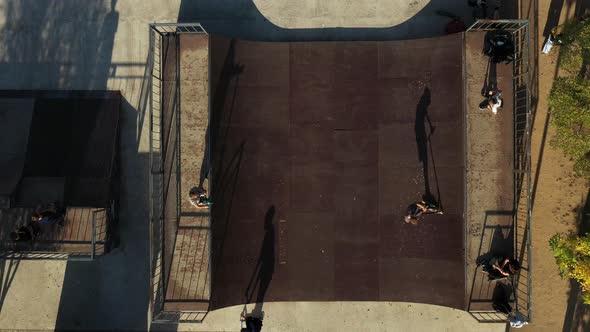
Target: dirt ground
x=558 y=195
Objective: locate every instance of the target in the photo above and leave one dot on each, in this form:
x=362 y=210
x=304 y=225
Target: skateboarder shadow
x=423 y=144
x=262 y=275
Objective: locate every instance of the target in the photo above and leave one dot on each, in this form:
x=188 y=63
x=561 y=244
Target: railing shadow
x=8 y=268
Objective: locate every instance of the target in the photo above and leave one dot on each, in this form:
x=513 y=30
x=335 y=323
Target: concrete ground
x=284 y=20
x=71 y=44
x=337 y=13
x=344 y=316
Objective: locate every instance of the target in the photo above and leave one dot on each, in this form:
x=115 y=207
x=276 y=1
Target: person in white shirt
x=494 y=101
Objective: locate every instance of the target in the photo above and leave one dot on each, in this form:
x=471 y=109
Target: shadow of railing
x=8 y=268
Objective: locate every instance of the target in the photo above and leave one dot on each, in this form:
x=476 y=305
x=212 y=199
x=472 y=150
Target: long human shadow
x=242 y=19
x=490 y=82
x=423 y=144
x=206 y=163
x=265 y=267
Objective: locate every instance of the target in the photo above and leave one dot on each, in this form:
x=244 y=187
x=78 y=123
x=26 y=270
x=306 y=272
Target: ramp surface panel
x=318 y=148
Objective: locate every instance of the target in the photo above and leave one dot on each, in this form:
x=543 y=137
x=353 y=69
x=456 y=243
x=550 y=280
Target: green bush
x=572 y=254
x=575 y=46
x=570 y=96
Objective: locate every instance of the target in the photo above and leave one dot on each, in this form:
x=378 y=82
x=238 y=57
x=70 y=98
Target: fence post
x=93 y=235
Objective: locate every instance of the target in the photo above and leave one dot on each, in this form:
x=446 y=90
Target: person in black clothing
x=416 y=210
x=25 y=233
x=21 y=234
x=499 y=267
x=50 y=215
x=253 y=324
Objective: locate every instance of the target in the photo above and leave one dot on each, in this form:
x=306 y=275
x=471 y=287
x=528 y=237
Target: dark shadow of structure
x=69 y=45
x=226 y=158
x=555 y=9
x=582 y=8
x=115 y=285
x=221 y=116
x=242 y=19
x=576 y=315
x=265 y=267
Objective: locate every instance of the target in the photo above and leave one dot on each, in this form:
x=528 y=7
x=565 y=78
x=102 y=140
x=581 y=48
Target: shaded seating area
x=59 y=147
x=81 y=232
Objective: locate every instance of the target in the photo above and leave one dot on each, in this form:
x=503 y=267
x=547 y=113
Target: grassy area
x=570 y=96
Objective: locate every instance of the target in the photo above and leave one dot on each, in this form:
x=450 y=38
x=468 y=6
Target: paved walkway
x=345 y=316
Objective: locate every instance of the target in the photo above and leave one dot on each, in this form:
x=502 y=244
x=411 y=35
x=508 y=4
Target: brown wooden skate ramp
x=321 y=140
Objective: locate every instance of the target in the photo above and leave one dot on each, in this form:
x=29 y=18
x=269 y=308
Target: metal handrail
x=93 y=251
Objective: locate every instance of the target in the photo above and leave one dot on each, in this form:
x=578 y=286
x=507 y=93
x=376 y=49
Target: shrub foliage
x=572 y=253
x=570 y=96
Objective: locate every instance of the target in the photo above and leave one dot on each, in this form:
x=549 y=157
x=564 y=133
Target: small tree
x=570 y=96
x=572 y=253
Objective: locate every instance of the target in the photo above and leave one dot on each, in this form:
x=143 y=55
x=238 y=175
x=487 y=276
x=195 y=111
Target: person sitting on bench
x=198 y=198
x=499 y=267
x=493 y=101
x=25 y=233
x=49 y=215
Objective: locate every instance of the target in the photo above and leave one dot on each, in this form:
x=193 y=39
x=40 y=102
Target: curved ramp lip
x=339 y=14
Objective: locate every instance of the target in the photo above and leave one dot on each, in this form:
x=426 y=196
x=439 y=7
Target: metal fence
x=522 y=154
x=164 y=186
